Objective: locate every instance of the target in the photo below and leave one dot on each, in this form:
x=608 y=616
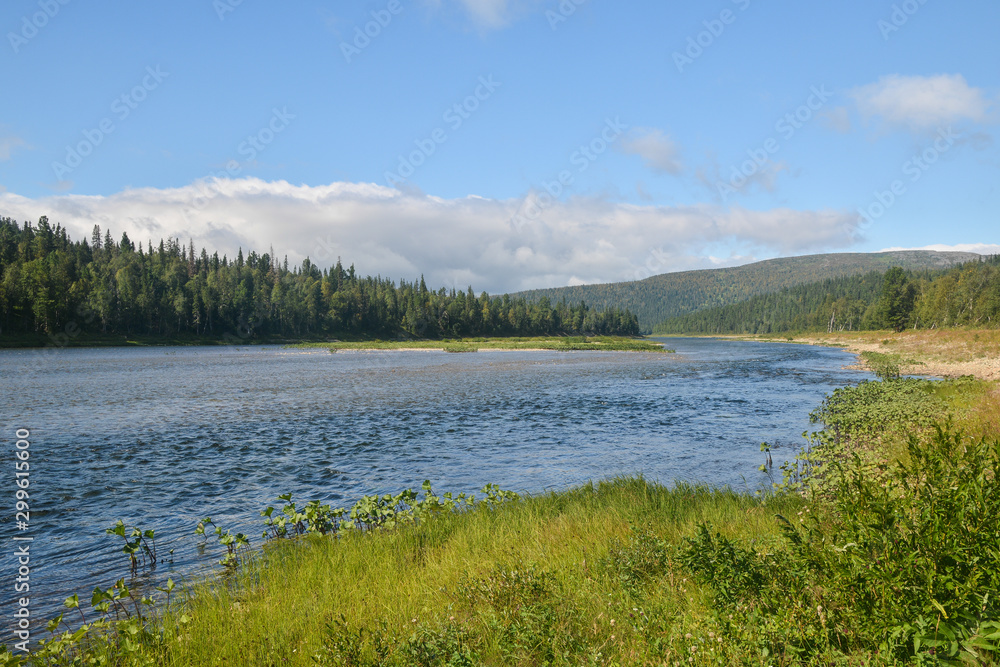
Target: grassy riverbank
x=878 y=559
x=557 y=344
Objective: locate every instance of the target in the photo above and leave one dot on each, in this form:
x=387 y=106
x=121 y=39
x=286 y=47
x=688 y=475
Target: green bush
x=907 y=563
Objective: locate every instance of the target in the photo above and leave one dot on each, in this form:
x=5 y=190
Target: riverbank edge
x=942 y=353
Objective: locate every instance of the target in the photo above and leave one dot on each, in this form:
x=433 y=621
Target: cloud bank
x=453 y=242
x=978 y=248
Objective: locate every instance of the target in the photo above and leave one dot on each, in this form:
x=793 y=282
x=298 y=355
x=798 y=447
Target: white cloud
x=978 y=248
x=454 y=242
x=658 y=151
x=487 y=14
x=922 y=102
x=7 y=146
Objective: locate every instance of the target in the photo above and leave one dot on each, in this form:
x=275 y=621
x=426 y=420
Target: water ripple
x=163 y=437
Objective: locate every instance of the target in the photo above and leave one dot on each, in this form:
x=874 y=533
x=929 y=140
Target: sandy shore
x=946 y=356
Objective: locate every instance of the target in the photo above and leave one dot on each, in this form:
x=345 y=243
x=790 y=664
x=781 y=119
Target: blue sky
x=507 y=143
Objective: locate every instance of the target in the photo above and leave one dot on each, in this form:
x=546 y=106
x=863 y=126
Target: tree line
x=966 y=295
x=53 y=286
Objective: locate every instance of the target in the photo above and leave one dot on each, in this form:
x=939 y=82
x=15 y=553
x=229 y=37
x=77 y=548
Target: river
x=161 y=437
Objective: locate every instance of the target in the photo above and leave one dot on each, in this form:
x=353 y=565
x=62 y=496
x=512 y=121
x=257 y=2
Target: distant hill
x=668 y=295
x=965 y=295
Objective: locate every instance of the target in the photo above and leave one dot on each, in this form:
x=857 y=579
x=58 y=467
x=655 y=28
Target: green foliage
x=554 y=343
x=237 y=546
x=55 y=290
x=873 y=408
x=442 y=645
x=140 y=545
x=314 y=518
x=905 y=562
x=966 y=295
x=896 y=301
x=733 y=572
x=672 y=295
x=447 y=646
x=886 y=367
x=919 y=546
x=370 y=512
x=524 y=608
x=633 y=565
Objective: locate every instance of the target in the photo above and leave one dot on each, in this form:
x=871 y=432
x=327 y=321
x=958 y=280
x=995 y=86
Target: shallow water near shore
x=161 y=437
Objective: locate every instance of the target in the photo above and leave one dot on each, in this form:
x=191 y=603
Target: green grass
x=555 y=577
x=565 y=344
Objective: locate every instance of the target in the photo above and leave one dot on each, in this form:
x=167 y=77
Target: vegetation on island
x=548 y=343
x=670 y=295
x=964 y=296
x=55 y=291
x=876 y=544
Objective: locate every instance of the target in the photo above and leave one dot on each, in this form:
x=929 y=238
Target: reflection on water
x=161 y=437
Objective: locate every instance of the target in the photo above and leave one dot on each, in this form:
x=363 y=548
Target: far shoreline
x=522 y=344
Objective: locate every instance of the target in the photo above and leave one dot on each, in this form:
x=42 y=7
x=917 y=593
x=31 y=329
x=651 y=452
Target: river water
x=161 y=437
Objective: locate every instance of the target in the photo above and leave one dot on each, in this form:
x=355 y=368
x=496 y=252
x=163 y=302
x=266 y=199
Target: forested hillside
x=655 y=299
x=967 y=295
x=52 y=287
